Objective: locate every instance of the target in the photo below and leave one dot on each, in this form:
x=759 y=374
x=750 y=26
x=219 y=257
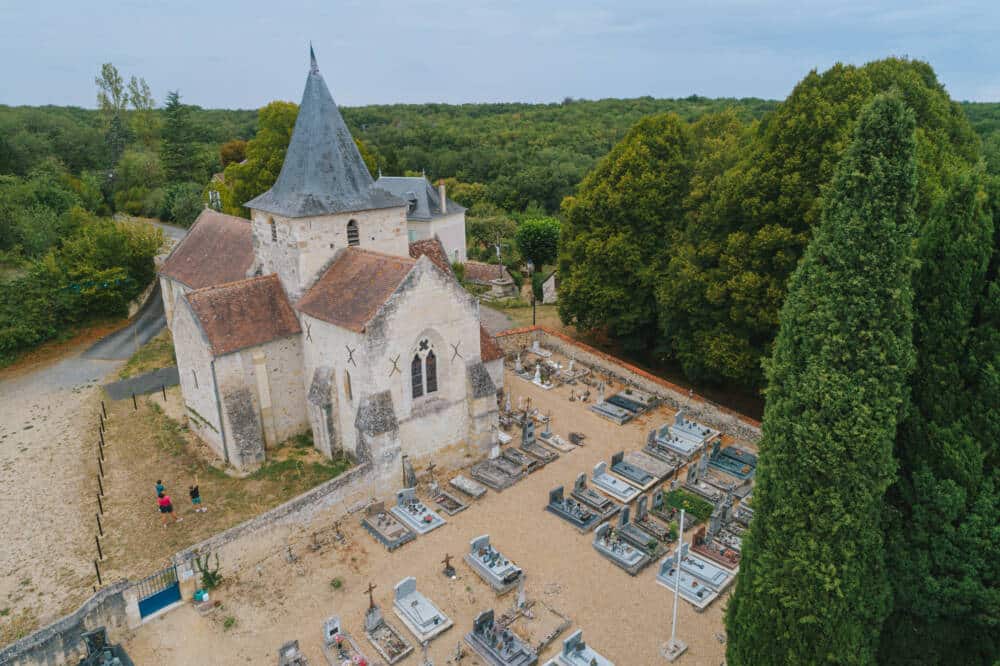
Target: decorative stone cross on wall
x=350 y=355
x=395 y=366
x=454 y=349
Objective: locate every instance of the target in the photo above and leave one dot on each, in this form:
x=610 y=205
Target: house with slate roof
x=320 y=314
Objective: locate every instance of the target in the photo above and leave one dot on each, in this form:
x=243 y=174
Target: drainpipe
x=218 y=406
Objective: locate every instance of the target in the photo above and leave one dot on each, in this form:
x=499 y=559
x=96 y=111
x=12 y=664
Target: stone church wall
x=450 y=229
x=194 y=367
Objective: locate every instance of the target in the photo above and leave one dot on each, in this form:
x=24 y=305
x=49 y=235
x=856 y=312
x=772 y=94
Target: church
x=334 y=309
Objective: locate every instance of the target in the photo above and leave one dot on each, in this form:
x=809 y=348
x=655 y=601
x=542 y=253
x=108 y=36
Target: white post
x=677 y=579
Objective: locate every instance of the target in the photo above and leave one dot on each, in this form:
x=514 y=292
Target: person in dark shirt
x=195 y=494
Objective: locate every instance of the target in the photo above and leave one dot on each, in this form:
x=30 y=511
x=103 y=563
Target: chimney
x=444 y=199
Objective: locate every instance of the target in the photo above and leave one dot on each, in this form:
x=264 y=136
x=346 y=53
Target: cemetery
x=609 y=410
x=733 y=460
x=489 y=564
x=498 y=645
x=414 y=513
x=609 y=543
x=279 y=600
x=694 y=482
x=418 y=613
x=659 y=449
x=532 y=447
x=521 y=460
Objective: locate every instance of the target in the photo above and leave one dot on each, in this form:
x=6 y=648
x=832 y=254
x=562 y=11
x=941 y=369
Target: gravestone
x=414 y=513
x=528 y=431
x=489 y=564
x=338 y=645
x=421 y=617
x=385 y=527
x=518 y=368
x=609 y=543
x=612 y=485
x=630 y=472
x=289 y=654
x=498 y=645
x=468 y=486
x=570 y=510
x=575 y=652
x=701 y=581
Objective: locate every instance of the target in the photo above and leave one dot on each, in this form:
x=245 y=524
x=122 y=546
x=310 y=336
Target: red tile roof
x=433 y=250
x=217 y=249
x=354 y=287
x=489 y=350
x=244 y=314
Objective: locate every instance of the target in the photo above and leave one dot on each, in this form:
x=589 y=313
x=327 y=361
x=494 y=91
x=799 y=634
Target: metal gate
x=158 y=591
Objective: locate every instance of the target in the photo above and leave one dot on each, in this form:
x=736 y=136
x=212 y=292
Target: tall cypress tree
x=178 y=153
x=812 y=587
x=943 y=514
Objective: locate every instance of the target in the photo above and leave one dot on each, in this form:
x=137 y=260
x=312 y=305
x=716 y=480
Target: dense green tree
x=943 y=517
x=538 y=239
x=232 y=151
x=616 y=231
x=138 y=183
x=178 y=152
x=187 y=204
x=265 y=154
x=486 y=226
x=145 y=124
x=812 y=587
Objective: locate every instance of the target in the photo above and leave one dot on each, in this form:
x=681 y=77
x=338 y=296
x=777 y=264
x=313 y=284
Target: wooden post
x=100 y=528
x=100 y=465
x=104 y=409
x=102 y=439
x=98 y=570
x=135 y=405
x=100 y=504
x=100 y=486
x=97 y=540
x=163 y=390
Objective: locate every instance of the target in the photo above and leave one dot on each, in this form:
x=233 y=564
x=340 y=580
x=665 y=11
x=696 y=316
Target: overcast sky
x=243 y=54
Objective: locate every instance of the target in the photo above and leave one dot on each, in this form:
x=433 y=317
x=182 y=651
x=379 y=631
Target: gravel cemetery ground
x=272 y=601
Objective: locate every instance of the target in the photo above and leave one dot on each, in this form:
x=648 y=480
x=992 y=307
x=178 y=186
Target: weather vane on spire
x=313 y=67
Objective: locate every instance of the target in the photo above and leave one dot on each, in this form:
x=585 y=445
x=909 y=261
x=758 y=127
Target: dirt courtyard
x=273 y=600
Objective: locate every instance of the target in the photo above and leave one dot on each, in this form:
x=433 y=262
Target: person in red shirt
x=166 y=508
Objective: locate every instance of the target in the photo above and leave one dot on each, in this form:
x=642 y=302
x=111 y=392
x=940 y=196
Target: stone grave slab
x=719 y=553
x=692 y=431
x=609 y=543
x=420 y=616
x=646 y=523
x=612 y=485
x=517 y=457
x=635 y=535
x=701 y=581
x=556 y=442
x=338 y=645
x=473 y=489
x=733 y=460
x=611 y=412
x=633 y=400
x=576 y=514
x=604 y=507
x=385 y=527
x=387 y=640
x=494 y=475
x=660 y=508
x=669 y=443
x=656 y=467
x=489 y=564
x=498 y=645
x=577 y=653
x=414 y=513
x=449 y=503
x=636 y=476
x=289 y=654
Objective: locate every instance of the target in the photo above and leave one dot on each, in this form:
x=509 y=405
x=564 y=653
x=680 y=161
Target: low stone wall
x=351 y=487
x=60 y=642
x=698 y=408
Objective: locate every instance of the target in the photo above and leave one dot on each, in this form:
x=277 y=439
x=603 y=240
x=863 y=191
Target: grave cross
x=371 y=597
x=430 y=469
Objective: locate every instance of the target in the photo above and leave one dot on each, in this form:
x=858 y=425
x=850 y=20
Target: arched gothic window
x=417 y=375
x=353 y=236
x=430 y=371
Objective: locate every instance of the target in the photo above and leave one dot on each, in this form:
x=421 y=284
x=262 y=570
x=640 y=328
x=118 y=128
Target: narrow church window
x=347 y=385
x=353 y=236
x=195 y=375
x=274 y=231
x=417 y=376
x=431 y=371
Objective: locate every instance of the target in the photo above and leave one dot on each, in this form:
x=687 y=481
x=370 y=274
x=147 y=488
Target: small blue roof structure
x=323 y=172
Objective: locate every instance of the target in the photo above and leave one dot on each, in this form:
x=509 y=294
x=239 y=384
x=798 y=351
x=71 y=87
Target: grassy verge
x=155 y=354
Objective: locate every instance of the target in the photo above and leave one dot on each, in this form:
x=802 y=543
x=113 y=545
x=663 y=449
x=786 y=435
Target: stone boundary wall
x=351 y=485
x=699 y=409
x=60 y=642
x=115 y=606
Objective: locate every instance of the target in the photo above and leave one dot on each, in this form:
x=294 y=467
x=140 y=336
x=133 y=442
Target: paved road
x=120 y=345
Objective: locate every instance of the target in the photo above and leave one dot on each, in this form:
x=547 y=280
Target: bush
x=538 y=240
x=187 y=204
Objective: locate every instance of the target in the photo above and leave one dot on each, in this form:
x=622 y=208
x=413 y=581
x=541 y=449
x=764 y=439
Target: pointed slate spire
x=323 y=171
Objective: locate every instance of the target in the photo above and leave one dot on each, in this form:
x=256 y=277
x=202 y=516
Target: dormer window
x=353 y=236
x=274 y=230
